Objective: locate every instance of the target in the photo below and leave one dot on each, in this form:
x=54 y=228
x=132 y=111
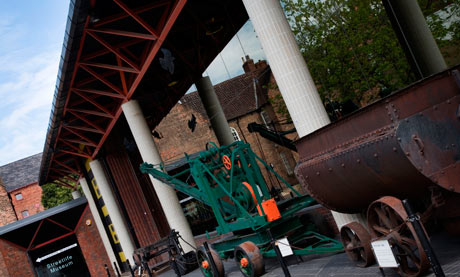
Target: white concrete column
x=343 y=219
x=98 y=222
x=214 y=111
x=114 y=211
x=288 y=65
x=166 y=194
x=415 y=37
x=290 y=70
x=76 y=194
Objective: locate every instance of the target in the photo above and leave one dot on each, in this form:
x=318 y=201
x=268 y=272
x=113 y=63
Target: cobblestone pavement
x=447 y=249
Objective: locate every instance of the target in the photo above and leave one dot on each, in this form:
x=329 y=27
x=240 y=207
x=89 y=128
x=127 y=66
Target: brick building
x=251 y=88
x=7 y=214
x=19 y=179
x=61 y=241
x=28 y=232
x=256 y=88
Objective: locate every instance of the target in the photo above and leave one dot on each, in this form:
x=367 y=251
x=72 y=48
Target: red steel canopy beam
x=131 y=68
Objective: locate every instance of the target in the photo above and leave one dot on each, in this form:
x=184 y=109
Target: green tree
x=54 y=195
x=351 y=49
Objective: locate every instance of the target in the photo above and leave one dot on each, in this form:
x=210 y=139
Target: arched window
x=236 y=137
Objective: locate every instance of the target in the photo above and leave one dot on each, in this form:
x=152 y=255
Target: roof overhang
x=116 y=50
x=44 y=227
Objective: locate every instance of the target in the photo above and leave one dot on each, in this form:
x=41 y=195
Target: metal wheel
x=357 y=243
x=249 y=259
x=386 y=217
x=205 y=264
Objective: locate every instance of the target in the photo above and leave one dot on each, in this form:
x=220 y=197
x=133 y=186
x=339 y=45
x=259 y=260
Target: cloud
x=27 y=80
x=229 y=64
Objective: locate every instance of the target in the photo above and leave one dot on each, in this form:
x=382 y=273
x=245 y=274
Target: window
x=286 y=164
x=18 y=196
x=25 y=213
x=267 y=121
x=236 y=137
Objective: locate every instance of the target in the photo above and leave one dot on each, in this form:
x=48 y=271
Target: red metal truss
x=114 y=55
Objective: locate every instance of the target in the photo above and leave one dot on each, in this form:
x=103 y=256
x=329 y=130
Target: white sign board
x=285 y=248
x=383 y=253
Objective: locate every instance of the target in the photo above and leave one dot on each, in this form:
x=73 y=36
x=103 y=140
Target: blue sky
x=31 y=36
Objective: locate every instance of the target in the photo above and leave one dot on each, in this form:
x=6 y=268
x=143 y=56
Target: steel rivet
x=375 y=155
x=330 y=169
x=343 y=165
x=399 y=139
x=317 y=173
x=394 y=149
x=407 y=154
x=358 y=160
x=448 y=101
x=451 y=188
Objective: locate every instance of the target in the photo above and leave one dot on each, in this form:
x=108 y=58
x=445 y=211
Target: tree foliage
x=351 y=49
x=54 y=195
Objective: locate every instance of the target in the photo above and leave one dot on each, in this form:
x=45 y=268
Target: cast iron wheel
x=357 y=243
x=249 y=259
x=386 y=217
x=205 y=264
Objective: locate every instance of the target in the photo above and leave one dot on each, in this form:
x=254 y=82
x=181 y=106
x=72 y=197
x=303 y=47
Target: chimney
x=248 y=65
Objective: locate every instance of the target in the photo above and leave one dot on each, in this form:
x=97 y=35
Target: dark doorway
x=59 y=258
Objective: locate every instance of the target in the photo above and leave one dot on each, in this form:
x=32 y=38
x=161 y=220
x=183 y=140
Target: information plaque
x=285 y=248
x=384 y=254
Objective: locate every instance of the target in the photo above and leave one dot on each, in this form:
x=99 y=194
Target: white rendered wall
x=115 y=214
x=291 y=73
x=166 y=194
x=98 y=222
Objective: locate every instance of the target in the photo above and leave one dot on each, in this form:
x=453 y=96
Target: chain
x=194 y=248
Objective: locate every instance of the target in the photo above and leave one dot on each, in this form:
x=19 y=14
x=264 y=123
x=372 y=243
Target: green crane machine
x=229 y=180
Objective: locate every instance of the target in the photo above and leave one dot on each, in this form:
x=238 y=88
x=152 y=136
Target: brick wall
x=31 y=200
x=6 y=210
x=15 y=260
x=269 y=152
x=92 y=247
x=3 y=269
x=177 y=138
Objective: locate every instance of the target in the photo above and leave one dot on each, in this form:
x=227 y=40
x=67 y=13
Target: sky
x=31 y=37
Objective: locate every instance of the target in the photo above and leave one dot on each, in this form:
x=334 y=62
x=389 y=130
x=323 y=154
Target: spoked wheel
x=249 y=259
x=357 y=243
x=205 y=264
x=386 y=217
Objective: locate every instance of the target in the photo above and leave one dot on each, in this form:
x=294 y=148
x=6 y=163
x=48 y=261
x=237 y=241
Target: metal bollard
x=130 y=268
x=116 y=269
x=107 y=270
x=415 y=220
x=278 y=255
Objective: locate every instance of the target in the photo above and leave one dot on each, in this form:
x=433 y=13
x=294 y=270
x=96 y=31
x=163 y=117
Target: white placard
x=383 y=253
x=285 y=248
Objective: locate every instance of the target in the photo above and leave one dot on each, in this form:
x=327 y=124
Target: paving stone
x=447 y=249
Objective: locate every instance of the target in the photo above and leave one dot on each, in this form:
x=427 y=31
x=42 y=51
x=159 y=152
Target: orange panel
x=271 y=210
